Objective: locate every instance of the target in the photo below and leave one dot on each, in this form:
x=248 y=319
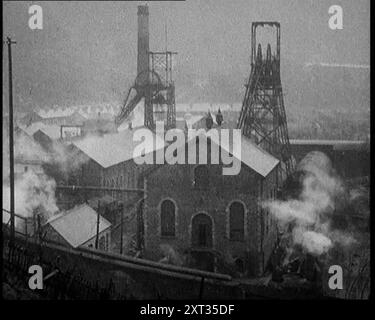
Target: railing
x=57 y=284
x=78 y=274
x=19 y=220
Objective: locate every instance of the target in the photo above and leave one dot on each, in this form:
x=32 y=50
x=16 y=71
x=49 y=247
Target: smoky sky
x=87 y=50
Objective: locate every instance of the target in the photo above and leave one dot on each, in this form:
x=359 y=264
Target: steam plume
x=32 y=192
x=310 y=215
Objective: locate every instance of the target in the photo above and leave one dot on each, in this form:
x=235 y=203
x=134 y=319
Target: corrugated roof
x=78 y=225
x=112 y=149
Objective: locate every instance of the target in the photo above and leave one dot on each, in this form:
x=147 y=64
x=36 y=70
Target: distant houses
x=29 y=155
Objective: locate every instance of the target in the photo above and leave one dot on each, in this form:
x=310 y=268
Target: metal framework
x=263 y=117
x=162 y=102
x=158 y=90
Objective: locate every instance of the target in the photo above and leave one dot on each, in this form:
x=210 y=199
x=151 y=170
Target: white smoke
x=310 y=214
x=27 y=148
x=33 y=192
x=66 y=157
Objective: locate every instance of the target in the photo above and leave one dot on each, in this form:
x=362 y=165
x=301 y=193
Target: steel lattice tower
x=161 y=105
x=153 y=83
x=263 y=117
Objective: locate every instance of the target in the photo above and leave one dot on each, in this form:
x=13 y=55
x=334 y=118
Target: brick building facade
x=216 y=224
x=209 y=220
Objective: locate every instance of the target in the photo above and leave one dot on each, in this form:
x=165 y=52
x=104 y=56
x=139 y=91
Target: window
x=168 y=218
x=201 y=177
x=202 y=235
x=236 y=221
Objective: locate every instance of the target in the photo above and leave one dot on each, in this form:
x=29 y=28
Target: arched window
x=168 y=218
x=237 y=221
x=201 y=177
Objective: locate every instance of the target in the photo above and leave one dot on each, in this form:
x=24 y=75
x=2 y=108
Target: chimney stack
x=143 y=45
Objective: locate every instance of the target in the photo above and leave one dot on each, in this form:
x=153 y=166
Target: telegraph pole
x=11 y=141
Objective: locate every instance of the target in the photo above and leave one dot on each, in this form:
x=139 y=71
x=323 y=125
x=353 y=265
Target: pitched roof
x=53 y=131
x=27 y=150
x=31 y=116
x=111 y=149
x=252 y=156
x=78 y=225
x=256 y=158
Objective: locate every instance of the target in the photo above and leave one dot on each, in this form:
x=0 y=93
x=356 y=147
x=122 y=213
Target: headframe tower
x=263 y=117
x=153 y=83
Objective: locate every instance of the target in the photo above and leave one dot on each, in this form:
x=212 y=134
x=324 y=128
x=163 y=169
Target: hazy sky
x=87 y=50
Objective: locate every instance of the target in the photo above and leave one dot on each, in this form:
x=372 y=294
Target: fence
x=58 y=284
x=84 y=274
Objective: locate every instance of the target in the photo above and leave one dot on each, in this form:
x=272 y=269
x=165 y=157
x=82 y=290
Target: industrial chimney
x=143 y=46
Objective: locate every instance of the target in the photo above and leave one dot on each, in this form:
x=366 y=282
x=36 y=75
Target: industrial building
x=213 y=221
x=186 y=220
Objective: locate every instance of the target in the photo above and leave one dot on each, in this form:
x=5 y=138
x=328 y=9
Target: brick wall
x=176 y=182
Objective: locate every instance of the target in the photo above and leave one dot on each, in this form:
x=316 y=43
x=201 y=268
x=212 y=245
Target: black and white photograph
x=198 y=150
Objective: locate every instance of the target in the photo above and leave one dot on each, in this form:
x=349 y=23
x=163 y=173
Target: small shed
x=77 y=227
